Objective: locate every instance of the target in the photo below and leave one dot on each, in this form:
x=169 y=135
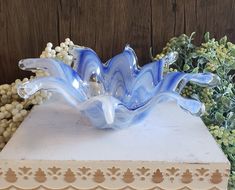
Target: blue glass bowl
x=117 y=93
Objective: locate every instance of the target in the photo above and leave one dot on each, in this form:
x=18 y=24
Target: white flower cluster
x=60 y=52
x=14 y=109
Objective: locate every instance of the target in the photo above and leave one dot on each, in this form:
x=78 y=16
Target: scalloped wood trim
x=94 y=175
x=12 y=187
x=113 y=173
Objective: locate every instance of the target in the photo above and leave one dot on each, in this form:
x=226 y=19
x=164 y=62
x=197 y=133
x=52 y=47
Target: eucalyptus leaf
x=186 y=67
x=195 y=70
x=223 y=40
x=232 y=66
x=225 y=101
x=207 y=36
x=219 y=117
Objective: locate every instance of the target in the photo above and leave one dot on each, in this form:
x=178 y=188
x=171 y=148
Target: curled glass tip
x=195 y=107
x=26 y=90
x=206 y=79
x=31 y=64
x=21 y=64
x=215 y=80
x=73 y=47
x=170 y=58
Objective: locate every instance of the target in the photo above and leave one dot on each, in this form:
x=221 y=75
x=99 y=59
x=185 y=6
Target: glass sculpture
x=117 y=93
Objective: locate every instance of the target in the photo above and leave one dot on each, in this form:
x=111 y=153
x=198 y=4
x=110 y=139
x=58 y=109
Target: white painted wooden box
x=55 y=148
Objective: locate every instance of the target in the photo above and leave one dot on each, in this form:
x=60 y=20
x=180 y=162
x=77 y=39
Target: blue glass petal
x=120 y=76
x=60 y=72
x=74 y=96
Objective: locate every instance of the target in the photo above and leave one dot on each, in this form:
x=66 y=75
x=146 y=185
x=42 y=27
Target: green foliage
x=217 y=57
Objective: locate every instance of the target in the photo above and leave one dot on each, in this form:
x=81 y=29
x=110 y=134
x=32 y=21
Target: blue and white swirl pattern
x=117 y=93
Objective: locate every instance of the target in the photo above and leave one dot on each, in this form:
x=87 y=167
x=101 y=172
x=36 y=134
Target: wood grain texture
x=104 y=25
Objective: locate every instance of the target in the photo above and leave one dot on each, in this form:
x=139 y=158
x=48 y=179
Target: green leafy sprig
x=217 y=57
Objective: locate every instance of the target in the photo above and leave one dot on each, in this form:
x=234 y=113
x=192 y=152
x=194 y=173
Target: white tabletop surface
x=56 y=131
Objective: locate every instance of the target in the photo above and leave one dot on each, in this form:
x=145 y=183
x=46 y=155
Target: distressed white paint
x=56 y=131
